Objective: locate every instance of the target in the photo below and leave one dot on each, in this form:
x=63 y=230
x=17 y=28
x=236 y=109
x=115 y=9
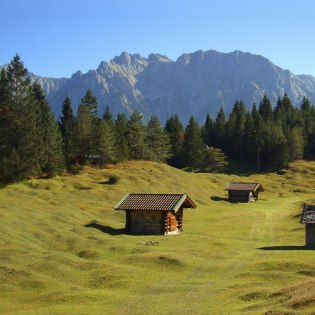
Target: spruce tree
x=121 y=138
x=308 y=126
x=265 y=109
x=86 y=126
x=220 y=130
x=257 y=135
x=137 y=148
x=193 y=145
x=157 y=140
x=67 y=126
x=296 y=143
x=111 y=133
x=213 y=159
x=207 y=131
x=19 y=158
x=235 y=130
x=105 y=143
x=175 y=132
x=49 y=136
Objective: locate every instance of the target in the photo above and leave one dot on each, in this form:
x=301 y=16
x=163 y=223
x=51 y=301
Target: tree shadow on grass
x=217 y=198
x=106 y=229
x=288 y=247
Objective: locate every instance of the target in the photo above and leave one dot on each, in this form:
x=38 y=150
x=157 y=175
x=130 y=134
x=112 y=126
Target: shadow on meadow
x=217 y=198
x=106 y=229
x=287 y=247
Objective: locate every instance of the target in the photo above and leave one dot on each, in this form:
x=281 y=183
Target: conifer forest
x=34 y=144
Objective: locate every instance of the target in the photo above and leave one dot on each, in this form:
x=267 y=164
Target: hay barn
x=155 y=213
x=243 y=192
x=308 y=218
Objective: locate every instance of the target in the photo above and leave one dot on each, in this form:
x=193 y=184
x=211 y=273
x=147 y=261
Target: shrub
x=76 y=168
x=113 y=179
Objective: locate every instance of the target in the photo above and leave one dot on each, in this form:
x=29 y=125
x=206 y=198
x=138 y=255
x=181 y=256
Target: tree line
x=33 y=143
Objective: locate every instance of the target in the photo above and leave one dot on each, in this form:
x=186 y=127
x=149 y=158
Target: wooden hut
x=308 y=218
x=154 y=213
x=243 y=192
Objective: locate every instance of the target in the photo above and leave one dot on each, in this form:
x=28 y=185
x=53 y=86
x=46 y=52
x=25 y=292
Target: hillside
x=195 y=84
x=63 y=249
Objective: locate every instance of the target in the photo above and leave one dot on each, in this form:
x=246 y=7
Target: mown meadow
x=63 y=249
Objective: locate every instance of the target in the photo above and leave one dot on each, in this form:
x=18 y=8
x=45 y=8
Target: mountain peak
x=158 y=58
x=195 y=84
x=127 y=59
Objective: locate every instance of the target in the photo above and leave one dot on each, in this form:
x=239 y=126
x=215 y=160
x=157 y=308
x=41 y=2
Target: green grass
x=63 y=249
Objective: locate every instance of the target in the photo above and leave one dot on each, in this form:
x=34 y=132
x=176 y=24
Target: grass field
x=63 y=249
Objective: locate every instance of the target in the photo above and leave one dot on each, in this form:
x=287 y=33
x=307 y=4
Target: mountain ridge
x=195 y=84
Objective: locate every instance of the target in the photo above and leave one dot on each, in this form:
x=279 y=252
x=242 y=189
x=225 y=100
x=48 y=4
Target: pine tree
x=157 y=140
x=67 y=126
x=192 y=148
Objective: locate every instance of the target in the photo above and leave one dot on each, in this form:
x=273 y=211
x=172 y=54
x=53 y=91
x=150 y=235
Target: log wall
x=310 y=235
x=146 y=222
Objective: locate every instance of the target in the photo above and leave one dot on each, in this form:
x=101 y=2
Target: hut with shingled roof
x=308 y=218
x=243 y=192
x=155 y=213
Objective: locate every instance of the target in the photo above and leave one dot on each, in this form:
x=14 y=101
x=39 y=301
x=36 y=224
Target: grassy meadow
x=63 y=249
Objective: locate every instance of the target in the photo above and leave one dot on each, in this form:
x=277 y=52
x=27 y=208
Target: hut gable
x=308 y=218
x=243 y=192
x=308 y=214
x=154 y=213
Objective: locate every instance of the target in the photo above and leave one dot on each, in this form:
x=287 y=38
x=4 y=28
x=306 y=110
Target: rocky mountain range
x=194 y=84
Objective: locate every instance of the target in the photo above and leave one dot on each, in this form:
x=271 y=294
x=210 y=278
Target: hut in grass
x=243 y=192
x=308 y=218
x=154 y=213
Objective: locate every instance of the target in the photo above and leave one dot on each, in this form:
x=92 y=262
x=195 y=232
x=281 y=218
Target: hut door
x=172 y=223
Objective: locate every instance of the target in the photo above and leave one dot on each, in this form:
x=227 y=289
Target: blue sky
x=58 y=37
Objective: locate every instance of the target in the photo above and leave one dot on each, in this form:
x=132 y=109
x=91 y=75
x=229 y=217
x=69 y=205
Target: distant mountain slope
x=194 y=84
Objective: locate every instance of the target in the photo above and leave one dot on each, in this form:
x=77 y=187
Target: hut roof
x=308 y=214
x=245 y=186
x=155 y=202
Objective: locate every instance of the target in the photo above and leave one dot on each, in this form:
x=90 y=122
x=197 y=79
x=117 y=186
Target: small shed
x=308 y=218
x=243 y=192
x=155 y=213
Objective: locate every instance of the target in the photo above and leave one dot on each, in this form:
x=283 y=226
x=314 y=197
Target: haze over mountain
x=194 y=84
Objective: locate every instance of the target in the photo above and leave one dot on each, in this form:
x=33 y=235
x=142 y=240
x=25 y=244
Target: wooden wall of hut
x=145 y=222
x=310 y=234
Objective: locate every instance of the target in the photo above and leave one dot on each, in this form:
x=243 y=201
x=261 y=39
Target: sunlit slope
x=230 y=259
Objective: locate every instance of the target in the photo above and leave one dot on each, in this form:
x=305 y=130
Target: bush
x=76 y=168
x=113 y=179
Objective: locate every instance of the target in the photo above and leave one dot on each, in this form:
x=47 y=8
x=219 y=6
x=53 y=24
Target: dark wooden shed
x=154 y=213
x=308 y=218
x=243 y=192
